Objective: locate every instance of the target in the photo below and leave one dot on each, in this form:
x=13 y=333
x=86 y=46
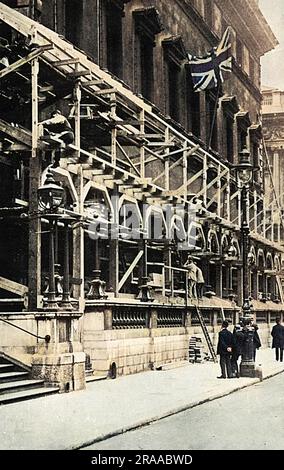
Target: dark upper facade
x=145 y=44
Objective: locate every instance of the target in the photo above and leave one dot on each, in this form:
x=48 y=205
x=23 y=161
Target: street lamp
x=244 y=173
x=144 y=294
x=50 y=198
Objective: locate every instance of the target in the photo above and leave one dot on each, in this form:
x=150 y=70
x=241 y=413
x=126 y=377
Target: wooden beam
x=105 y=91
x=24 y=60
x=215 y=180
x=35 y=171
x=130 y=269
x=79 y=73
x=94 y=82
x=127 y=158
x=59 y=63
x=189 y=182
x=12 y=286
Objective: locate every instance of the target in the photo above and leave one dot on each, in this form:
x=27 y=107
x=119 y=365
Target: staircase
x=15 y=384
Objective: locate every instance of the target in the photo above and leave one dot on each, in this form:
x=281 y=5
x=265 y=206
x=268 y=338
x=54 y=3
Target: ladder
x=206 y=334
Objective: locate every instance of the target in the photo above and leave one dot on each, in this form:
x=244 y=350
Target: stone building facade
x=143 y=138
x=272 y=119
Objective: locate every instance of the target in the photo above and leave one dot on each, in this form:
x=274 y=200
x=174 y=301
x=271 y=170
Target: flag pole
x=214 y=115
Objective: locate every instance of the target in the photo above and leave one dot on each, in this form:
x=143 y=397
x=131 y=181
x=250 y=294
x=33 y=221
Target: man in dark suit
x=224 y=349
x=238 y=337
x=277 y=334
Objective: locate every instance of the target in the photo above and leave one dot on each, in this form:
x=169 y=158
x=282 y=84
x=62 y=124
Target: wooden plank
x=130 y=270
x=180 y=190
x=105 y=91
x=214 y=181
x=94 y=82
x=59 y=63
x=79 y=73
x=12 y=286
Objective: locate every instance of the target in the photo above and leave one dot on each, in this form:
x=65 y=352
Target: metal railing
x=46 y=337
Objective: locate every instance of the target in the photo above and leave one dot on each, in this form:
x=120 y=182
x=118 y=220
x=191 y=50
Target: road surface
x=251 y=419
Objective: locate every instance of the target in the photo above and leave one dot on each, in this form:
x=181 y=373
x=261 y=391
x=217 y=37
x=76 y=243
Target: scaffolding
x=123 y=147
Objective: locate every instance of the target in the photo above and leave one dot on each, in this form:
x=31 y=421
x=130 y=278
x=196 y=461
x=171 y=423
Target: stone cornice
x=251 y=26
x=213 y=40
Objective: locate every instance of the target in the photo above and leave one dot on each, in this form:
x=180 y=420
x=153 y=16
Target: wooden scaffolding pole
x=167 y=161
x=142 y=148
x=34 y=270
x=78 y=246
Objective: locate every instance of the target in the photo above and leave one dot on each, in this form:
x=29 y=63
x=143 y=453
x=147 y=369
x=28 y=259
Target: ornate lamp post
x=66 y=302
x=144 y=294
x=50 y=198
x=97 y=285
x=244 y=173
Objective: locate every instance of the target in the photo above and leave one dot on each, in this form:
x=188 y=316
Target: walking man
x=277 y=334
x=224 y=349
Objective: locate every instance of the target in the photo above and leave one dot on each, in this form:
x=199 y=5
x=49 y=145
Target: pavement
x=111 y=407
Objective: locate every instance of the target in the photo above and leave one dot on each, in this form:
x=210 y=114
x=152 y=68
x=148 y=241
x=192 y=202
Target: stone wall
x=135 y=350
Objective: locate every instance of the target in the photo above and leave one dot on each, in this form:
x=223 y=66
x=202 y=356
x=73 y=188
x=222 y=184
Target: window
x=146 y=67
x=255 y=139
x=229 y=123
x=175 y=53
x=242 y=138
x=114 y=38
x=193 y=108
x=174 y=90
x=147 y=25
x=267 y=100
x=230 y=108
x=73 y=21
x=243 y=122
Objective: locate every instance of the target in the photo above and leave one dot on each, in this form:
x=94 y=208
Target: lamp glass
x=244 y=175
x=232 y=252
x=50 y=196
x=250 y=258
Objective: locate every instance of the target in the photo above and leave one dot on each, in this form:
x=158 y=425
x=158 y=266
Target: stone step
x=5 y=367
x=94 y=378
x=12 y=376
x=27 y=394
x=171 y=365
x=20 y=385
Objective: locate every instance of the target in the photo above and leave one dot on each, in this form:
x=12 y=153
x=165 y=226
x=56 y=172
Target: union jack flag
x=206 y=71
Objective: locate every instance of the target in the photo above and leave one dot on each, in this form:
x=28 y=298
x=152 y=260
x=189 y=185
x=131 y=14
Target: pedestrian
x=199 y=283
x=256 y=340
x=192 y=277
x=224 y=350
x=277 y=334
x=238 y=340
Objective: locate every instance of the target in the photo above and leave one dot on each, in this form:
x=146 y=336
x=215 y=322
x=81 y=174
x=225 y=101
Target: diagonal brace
x=25 y=60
